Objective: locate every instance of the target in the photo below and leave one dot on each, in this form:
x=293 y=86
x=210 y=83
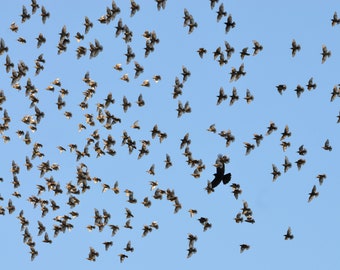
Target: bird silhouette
x=220 y=176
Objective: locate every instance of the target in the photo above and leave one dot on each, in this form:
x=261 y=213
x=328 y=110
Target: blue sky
x=312 y=119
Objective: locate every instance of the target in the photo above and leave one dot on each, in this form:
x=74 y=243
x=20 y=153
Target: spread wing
x=226 y=178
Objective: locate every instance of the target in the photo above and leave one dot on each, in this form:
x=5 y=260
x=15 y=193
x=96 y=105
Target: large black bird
x=220 y=176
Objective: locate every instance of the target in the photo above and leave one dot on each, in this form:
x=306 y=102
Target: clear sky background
x=312 y=119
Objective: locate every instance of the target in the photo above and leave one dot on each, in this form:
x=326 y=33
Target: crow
x=220 y=176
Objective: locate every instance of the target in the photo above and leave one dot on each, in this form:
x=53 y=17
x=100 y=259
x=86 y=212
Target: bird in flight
x=220 y=176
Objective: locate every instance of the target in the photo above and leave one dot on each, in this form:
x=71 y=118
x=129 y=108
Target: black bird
x=302 y=151
x=44 y=14
x=299 y=89
x=327 y=146
x=325 y=54
x=295 y=47
x=228 y=49
x=24 y=15
x=313 y=194
x=257 y=47
x=201 y=52
x=289 y=235
x=88 y=24
x=3 y=47
x=281 y=88
x=229 y=23
x=134 y=8
x=160 y=4
x=221 y=12
x=212 y=3
x=321 y=178
x=335 y=20
x=221 y=96
x=234 y=96
x=275 y=172
x=220 y=176
x=244 y=247
x=311 y=85
x=244 y=53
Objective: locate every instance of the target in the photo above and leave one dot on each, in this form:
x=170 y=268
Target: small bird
x=295 y=47
x=300 y=162
x=321 y=178
x=258 y=138
x=335 y=20
x=244 y=53
x=248 y=147
x=325 y=54
x=221 y=96
x=122 y=257
x=107 y=244
x=229 y=24
x=201 y=52
x=311 y=85
x=128 y=247
x=287 y=164
x=233 y=97
x=191 y=250
x=285 y=133
x=302 y=151
x=313 y=194
x=221 y=12
x=244 y=247
x=257 y=47
x=299 y=89
x=281 y=88
x=289 y=235
x=88 y=24
x=272 y=127
x=249 y=97
x=327 y=146
x=275 y=172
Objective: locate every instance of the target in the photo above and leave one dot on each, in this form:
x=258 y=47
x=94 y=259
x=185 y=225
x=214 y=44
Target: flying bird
x=289 y=235
x=220 y=176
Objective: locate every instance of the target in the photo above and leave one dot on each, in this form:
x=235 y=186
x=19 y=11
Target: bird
x=275 y=172
x=285 y=133
x=289 y=235
x=191 y=251
x=287 y=164
x=244 y=53
x=201 y=52
x=88 y=24
x=220 y=176
x=300 y=162
x=313 y=194
x=327 y=146
x=233 y=97
x=272 y=127
x=311 y=85
x=122 y=257
x=229 y=23
x=281 y=88
x=299 y=89
x=302 y=151
x=335 y=20
x=321 y=178
x=248 y=147
x=249 y=97
x=221 y=12
x=107 y=244
x=257 y=47
x=325 y=54
x=295 y=47
x=128 y=247
x=244 y=247
x=258 y=138
x=47 y=239
x=44 y=14
x=92 y=254
x=221 y=96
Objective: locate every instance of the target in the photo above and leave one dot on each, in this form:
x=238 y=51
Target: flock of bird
x=97 y=146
